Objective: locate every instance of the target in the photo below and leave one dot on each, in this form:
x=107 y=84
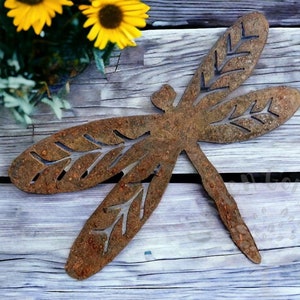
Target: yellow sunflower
x=115 y=21
x=35 y=13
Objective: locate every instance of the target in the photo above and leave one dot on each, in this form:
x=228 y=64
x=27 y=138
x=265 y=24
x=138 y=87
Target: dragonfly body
x=145 y=149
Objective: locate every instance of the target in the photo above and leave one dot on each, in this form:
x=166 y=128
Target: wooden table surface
x=183 y=251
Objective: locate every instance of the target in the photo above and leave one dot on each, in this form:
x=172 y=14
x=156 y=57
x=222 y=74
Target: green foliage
x=31 y=66
x=19 y=96
x=15 y=94
x=102 y=56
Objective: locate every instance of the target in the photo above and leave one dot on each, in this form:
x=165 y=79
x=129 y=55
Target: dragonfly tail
x=225 y=203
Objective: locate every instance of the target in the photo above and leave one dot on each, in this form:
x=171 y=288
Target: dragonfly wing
x=250 y=115
x=83 y=156
x=122 y=213
x=229 y=63
x=225 y=203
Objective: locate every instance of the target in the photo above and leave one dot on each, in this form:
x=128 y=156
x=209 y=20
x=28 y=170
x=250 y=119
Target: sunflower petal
x=89 y=22
x=138 y=22
x=104 y=40
x=93 y=32
x=131 y=30
x=28 y=15
x=133 y=16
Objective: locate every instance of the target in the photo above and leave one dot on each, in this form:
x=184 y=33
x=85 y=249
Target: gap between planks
x=182 y=248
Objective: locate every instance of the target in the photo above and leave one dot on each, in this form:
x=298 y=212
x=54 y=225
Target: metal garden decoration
x=147 y=147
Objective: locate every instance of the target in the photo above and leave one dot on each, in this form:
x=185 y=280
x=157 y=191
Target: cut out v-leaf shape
x=147 y=147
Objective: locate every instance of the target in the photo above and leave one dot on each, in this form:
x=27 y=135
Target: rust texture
x=145 y=149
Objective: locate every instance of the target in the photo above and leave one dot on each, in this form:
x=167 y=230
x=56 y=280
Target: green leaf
x=57 y=105
x=102 y=56
x=21 y=118
x=10 y=101
x=13 y=62
x=17 y=82
x=99 y=60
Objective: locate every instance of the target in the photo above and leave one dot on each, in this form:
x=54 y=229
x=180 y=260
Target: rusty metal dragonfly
x=147 y=147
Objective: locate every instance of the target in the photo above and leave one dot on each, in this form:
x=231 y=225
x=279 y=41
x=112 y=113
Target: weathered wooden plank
x=171 y=56
x=182 y=251
x=219 y=13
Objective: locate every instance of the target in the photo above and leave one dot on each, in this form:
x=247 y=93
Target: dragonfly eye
x=164 y=98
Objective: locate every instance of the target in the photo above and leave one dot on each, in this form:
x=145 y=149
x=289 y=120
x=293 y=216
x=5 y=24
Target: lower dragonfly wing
x=82 y=156
x=121 y=215
x=225 y=203
x=250 y=115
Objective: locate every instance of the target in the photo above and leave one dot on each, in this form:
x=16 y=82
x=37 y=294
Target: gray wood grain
x=182 y=251
x=171 y=56
x=219 y=13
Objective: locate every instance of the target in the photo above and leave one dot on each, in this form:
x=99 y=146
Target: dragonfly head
x=164 y=98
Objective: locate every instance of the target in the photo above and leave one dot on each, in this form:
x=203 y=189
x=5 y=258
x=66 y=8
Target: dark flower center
x=31 y=2
x=110 y=16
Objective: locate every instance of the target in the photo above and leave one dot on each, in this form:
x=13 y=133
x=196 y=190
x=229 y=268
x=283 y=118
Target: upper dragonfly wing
x=83 y=156
x=123 y=212
x=250 y=115
x=229 y=63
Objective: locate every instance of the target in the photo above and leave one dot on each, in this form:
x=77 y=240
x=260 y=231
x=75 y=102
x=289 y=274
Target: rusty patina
x=145 y=149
